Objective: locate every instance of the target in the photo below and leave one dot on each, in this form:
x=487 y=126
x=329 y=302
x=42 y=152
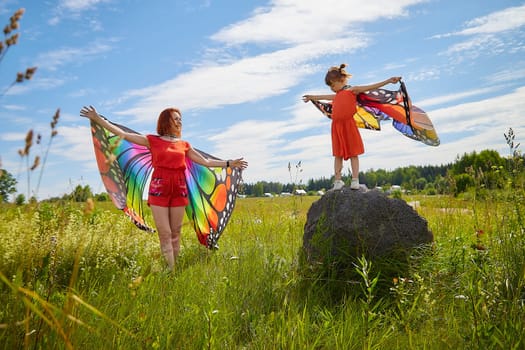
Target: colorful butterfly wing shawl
x=125 y=168
x=365 y=118
x=377 y=105
x=212 y=194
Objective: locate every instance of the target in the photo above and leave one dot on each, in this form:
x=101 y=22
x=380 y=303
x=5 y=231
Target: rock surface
x=348 y=224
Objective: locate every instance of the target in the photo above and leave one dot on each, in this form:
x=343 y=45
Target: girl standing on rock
x=346 y=139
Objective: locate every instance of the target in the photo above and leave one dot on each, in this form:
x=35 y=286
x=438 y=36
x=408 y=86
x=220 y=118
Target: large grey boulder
x=345 y=225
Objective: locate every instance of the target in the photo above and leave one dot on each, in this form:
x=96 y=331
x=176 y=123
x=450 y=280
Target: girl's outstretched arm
x=359 y=89
x=92 y=114
x=307 y=98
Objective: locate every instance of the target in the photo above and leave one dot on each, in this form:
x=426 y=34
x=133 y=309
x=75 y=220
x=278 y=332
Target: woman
x=167 y=195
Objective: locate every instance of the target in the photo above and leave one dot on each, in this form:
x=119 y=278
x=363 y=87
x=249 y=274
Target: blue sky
x=238 y=69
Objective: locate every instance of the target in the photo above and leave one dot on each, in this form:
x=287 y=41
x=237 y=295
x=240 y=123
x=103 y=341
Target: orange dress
x=346 y=139
x=168 y=183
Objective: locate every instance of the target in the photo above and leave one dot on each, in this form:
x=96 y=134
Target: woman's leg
x=161 y=215
x=176 y=217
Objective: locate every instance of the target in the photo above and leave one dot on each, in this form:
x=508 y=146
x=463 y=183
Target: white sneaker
x=355 y=184
x=338 y=185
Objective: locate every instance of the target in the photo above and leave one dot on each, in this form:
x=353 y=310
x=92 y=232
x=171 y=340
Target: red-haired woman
x=167 y=195
x=346 y=139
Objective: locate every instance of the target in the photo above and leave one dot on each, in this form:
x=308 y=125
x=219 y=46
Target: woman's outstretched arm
x=92 y=114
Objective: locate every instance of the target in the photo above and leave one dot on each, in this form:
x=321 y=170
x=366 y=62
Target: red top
x=168 y=154
x=346 y=139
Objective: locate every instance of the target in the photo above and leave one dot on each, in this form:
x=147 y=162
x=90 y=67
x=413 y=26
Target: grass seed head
x=36 y=163
x=30 y=72
x=89 y=207
x=29 y=142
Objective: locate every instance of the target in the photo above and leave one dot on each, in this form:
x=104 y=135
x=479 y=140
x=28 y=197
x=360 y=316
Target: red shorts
x=168 y=188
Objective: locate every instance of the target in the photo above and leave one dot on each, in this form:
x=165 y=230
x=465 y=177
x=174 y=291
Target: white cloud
x=80 y=5
x=503 y=110
x=306 y=32
x=245 y=80
x=512 y=74
x=424 y=74
x=13 y=136
x=53 y=60
x=74 y=143
x=478 y=46
x=36 y=84
x=488 y=35
x=14 y=107
x=508 y=19
x=504 y=20
x=294 y=22
x=72 y=9
x=454 y=97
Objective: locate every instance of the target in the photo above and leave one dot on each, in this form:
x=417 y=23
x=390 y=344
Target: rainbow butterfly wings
x=125 y=169
x=212 y=194
x=377 y=105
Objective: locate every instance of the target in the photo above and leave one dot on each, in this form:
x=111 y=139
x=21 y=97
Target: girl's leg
x=354 y=164
x=338 y=167
x=176 y=217
x=161 y=215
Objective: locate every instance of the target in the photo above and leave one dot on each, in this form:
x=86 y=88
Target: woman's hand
x=89 y=112
x=238 y=163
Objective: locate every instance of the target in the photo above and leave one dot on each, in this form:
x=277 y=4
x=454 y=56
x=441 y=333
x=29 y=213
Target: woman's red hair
x=166 y=123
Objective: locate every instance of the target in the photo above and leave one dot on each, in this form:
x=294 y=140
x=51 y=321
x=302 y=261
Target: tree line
x=486 y=169
x=483 y=169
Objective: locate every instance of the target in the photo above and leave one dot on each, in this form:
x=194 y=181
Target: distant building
x=394 y=188
x=300 y=192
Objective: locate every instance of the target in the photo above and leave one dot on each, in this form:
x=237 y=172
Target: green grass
x=93 y=281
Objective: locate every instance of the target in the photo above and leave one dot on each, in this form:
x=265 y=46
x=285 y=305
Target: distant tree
x=463 y=182
x=442 y=185
x=20 y=199
x=81 y=194
x=102 y=197
x=420 y=183
x=430 y=189
x=483 y=161
x=7 y=185
x=258 y=189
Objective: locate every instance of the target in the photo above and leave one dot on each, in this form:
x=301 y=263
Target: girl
x=346 y=139
x=167 y=195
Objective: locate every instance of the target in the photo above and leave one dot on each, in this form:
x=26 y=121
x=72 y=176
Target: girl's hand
x=89 y=112
x=394 y=80
x=307 y=98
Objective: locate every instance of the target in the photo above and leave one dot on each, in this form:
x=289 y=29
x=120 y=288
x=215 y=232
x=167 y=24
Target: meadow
x=76 y=277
